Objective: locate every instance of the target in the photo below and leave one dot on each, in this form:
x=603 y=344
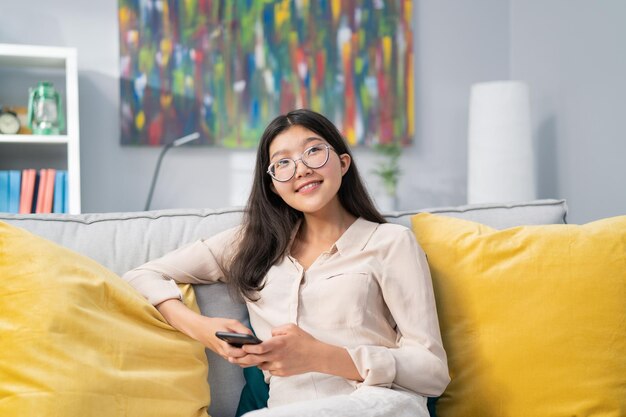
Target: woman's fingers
x=261 y=348
x=233 y=352
x=248 y=360
x=237 y=327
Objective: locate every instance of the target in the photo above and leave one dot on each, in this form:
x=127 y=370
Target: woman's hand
x=205 y=333
x=203 y=328
x=289 y=352
x=292 y=351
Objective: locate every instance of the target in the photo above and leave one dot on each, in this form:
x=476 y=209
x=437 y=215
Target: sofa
x=122 y=241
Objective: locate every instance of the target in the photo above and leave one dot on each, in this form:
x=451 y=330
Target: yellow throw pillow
x=533 y=318
x=77 y=340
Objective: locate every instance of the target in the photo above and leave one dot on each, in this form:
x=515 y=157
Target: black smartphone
x=238 y=339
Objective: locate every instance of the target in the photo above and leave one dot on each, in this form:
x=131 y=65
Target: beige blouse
x=370 y=293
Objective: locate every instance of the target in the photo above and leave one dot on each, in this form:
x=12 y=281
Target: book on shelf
x=15 y=178
x=33 y=207
x=45 y=191
x=40 y=185
x=60 y=190
x=66 y=193
x=48 y=191
x=4 y=191
x=27 y=190
x=34 y=191
x=10 y=191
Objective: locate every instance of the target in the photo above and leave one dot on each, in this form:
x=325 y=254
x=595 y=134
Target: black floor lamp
x=174 y=144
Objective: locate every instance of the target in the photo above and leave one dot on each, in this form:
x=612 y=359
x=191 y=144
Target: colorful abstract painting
x=225 y=68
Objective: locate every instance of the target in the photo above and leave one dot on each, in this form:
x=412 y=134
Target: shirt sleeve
x=200 y=262
x=418 y=363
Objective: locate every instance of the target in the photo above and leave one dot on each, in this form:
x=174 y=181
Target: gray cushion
x=122 y=241
x=499 y=216
x=225 y=379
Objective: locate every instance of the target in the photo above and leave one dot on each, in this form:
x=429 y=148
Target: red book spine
x=41 y=190
x=27 y=190
x=48 y=191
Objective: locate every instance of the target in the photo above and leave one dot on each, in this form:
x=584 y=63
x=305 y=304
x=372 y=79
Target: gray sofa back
x=122 y=241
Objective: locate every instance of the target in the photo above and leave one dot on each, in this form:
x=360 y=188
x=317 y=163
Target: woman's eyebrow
x=311 y=139
x=304 y=142
x=276 y=153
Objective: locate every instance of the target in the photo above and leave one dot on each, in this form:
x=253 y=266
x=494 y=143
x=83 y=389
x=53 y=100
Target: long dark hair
x=269 y=222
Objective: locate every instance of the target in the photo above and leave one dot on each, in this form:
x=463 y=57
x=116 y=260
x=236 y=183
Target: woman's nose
x=302 y=169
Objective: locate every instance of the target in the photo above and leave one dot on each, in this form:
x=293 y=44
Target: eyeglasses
x=314 y=157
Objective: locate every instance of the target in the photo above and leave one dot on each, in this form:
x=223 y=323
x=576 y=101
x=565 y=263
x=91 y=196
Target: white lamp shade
x=501 y=163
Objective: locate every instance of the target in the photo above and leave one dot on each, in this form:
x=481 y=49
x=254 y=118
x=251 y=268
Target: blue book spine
x=4 y=191
x=59 y=192
x=15 y=183
x=66 y=193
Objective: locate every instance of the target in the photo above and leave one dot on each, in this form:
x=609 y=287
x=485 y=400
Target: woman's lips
x=309 y=187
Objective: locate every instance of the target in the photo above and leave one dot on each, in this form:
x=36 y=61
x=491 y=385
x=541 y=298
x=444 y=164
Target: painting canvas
x=225 y=68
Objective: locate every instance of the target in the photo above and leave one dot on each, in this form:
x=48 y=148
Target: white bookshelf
x=17 y=58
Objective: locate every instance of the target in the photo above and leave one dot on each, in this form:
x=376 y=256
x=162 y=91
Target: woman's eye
x=315 y=149
x=282 y=163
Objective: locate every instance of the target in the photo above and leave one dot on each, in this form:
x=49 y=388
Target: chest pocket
x=337 y=301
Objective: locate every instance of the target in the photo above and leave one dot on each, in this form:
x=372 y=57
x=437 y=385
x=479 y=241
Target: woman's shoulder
x=392 y=230
x=391 y=241
x=384 y=235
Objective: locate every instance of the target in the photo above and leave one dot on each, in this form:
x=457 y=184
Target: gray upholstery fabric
x=122 y=241
x=499 y=216
x=225 y=379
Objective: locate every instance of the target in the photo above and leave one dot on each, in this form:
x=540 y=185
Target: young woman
x=342 y=300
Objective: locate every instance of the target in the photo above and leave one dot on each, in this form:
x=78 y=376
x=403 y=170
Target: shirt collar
x=356 y=236
x=353 y=239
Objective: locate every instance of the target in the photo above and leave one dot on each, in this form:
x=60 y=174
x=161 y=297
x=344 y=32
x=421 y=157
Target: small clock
x=9 y=123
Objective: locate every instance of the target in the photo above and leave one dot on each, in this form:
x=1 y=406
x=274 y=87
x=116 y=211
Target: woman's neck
x=325 y=227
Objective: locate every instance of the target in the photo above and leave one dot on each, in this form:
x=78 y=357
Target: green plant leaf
x=388 y=169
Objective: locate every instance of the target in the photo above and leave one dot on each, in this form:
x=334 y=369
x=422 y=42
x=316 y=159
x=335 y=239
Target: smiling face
x=309 y=190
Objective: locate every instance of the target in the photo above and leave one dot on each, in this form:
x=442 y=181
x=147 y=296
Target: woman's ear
x=345 y=161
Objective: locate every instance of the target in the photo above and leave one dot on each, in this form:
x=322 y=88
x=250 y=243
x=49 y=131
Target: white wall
x=458 y=43
x=573 y=54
